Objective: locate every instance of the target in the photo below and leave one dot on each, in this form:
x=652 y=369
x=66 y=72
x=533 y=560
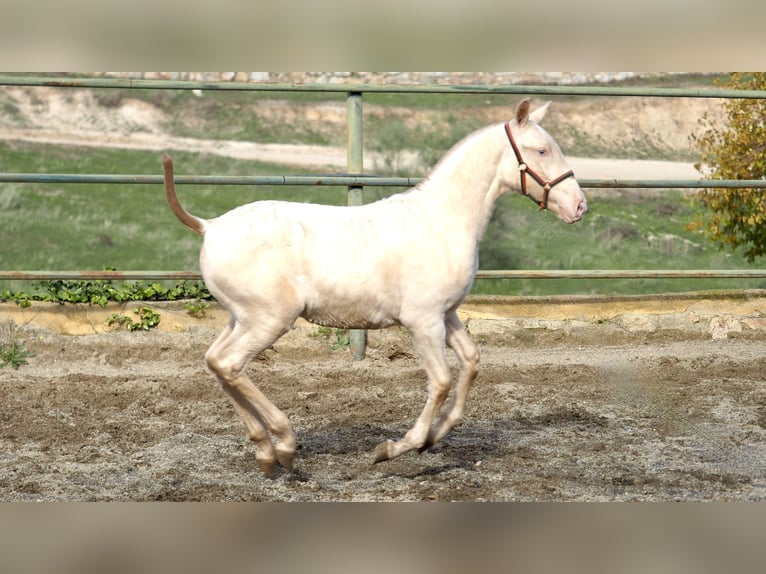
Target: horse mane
x=453 y=154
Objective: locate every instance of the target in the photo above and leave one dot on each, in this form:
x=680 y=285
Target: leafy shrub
x=100 y=292
x=735 y=217
x=147 y=319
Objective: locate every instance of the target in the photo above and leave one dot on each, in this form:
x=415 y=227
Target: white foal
x=409 y=259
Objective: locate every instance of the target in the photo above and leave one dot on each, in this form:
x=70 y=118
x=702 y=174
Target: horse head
x=539 y=169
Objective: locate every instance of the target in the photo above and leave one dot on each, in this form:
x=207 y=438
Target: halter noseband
x=525 y=169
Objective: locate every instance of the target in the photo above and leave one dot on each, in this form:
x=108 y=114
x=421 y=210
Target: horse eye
x=543 y=152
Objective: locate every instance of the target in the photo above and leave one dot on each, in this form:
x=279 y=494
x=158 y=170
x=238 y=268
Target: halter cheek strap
x=524 y=169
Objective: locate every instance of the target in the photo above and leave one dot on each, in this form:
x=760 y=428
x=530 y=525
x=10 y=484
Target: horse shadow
x=460 y=449
x=467 y=444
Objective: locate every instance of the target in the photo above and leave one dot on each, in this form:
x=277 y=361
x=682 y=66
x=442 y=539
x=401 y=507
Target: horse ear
x=522 y=111
x=538 y=115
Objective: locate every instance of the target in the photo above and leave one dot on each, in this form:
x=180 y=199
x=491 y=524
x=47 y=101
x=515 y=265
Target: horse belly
x=349 y=314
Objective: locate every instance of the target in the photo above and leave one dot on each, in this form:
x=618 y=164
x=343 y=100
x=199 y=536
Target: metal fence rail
x=357 y=180
x=543 y=90
x=481 y=274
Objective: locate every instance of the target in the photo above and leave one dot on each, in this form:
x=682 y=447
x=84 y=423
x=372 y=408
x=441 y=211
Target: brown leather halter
x=525 y=169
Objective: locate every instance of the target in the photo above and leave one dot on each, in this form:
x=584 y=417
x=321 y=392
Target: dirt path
x=135 y=416
x=320 y=157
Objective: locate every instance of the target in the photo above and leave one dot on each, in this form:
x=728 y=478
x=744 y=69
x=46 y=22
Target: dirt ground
x=552 y=416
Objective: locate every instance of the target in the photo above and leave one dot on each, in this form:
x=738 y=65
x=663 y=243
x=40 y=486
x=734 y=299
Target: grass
x=623 y=231
x=83 y=226
x=232 y=116
x=60 y=227
x=76 y=226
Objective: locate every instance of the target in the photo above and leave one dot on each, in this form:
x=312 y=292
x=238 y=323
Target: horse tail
x=193 y=222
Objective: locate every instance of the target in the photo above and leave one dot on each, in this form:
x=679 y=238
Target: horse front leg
x=430 y=345
x=468 y=356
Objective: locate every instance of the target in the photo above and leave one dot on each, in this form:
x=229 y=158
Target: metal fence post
x=357 y=337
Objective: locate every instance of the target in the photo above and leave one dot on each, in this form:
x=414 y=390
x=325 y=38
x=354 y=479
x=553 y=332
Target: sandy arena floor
x=552 y=416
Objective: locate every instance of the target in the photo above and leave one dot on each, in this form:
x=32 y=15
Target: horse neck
x=465 y=183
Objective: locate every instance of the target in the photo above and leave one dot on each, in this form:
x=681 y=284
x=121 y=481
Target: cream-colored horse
x=409 y=260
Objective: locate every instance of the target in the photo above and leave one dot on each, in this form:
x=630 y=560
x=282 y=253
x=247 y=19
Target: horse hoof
x=383 y=452
x=268 y=467
x=286 y=460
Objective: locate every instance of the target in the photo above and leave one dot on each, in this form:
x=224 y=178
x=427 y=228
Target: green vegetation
x=736 y=217
x=13 y=353
x=100 y=292
x=198 y=307
x=622 y=230
x=148 y=318
x=341 y=338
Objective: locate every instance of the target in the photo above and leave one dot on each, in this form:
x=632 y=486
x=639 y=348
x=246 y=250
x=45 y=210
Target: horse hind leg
x=227 y=359
x=468 y=356
x=430 y=345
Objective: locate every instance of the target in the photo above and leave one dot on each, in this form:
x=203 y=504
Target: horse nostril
x=582 y=207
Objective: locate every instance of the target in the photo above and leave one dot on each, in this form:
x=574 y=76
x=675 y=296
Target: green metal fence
x=356 y=180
